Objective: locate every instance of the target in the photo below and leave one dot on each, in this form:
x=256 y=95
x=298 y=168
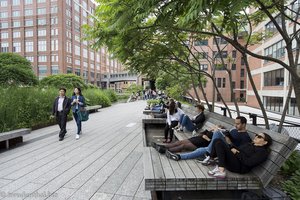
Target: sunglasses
x=259 y=136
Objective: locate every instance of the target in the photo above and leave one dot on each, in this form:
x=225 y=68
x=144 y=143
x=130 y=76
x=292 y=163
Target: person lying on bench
x=173 y=116
x=236 y=137
x=242 y=159
x=191 y=144
x=193 y=124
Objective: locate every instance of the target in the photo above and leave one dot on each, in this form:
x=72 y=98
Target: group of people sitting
x=232 y=150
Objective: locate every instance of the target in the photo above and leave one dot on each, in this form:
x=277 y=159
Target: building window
x=17 y=47
x=54 y=58
x=28 y=12
x=92 y=56
x=16 y=24
x=242 y=72
x=293 y=109
x=54 y=21
x=4 y=47
x=77 y=62
x=16 y=13
x=218 y=54
x=77 y=38
x=29 y=46
x=42 y=32
x=42 y=58
x=68 y=13
x=54 y=31
x=275 y=51
x=242 y=86
x=42 y=45
x=77 y=8
x=16 y=34
x=219 y=41
x=270 y=27
x=224 y=83
x=28 y=2
x=16 y=2
x=204 y=67
x=54 y=9
x=77 y=50
x=41 y=22
x=201 y=43
x=41 y=11
x=4 y=25
x=68 y=23
x=273 y=103
x=233 y=67
x=28 y=22
x=219 y=82
x=234 y=54
x=29 y=33
x=54 y=69
x=69 y=70
x=3 y=3
x=41 y=1
x=3 y=15
x=42 y=70
x=77 y=72
x=274 y=78
x=30 y=58
x=54 y=45
x=4 y=35
x=233 y=84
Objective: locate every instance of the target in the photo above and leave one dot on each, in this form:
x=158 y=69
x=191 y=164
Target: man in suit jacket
x=61 y=108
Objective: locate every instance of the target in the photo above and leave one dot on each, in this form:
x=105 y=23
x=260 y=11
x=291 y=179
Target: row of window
x=276 y=104
x=276 y=50
x=29 y=46
x=274 y=78
x=205 y=42
x=4 y=3
x=29 y=33
x=29 y=22
x=29 y=12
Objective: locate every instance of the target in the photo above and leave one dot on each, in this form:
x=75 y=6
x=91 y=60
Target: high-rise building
x=49 y=34
x=210 y=58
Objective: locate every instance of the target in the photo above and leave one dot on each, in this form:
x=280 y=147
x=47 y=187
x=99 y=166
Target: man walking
x=61 y=108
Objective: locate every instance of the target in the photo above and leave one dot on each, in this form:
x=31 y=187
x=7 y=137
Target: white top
x=60 y=103
x=175 y=116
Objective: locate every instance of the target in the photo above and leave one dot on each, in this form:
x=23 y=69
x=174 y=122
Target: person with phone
x=78 y=102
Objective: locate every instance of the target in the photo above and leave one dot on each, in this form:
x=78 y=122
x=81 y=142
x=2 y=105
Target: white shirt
x=60 y=103
x=175 y=116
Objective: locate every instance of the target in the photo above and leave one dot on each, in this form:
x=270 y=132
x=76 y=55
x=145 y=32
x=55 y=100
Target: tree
x=16 y=70
x=63 y=80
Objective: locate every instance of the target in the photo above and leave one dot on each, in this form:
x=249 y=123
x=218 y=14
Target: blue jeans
x=78 y=121
x=187 y=123
x=202 y=150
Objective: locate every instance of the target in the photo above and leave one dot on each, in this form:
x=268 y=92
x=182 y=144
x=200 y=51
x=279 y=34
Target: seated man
x=191 y=144
x=242 y=159
x=195 y=123
x=236 y=137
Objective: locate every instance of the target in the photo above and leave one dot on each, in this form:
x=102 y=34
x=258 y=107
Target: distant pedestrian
x=61 y=108
x=78 y=102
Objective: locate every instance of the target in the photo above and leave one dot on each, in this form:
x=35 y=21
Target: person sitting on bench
x=195 y=123
x=240 y=159
x=191 y=144
x=237 y=137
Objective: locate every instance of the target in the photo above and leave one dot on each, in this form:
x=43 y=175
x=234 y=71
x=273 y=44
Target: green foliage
x=63 y=80
x=16 y=70
x=111 y=95
x=153 y=101
x=134 y=88
x=292 y=164
x=89 y=85
x=175 y=91
x=292 y=186
x=22 y=107
x=97 y=97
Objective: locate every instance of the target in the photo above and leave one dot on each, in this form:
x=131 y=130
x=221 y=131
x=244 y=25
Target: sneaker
x=160 y=148
x=172 y=156
x=194 y=133
x=212 y=172
x=77 y=137
x=207 y=158
x=220 y=175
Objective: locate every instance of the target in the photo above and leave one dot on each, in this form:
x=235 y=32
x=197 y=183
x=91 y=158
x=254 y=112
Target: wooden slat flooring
x=105 y=163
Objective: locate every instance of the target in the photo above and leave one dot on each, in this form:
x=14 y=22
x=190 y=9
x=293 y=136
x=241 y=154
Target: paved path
x=105 y=163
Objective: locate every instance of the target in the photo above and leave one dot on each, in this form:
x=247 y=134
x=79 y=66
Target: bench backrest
x=281 y=148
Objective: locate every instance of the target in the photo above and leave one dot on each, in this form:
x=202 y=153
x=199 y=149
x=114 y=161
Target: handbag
x=83 y=114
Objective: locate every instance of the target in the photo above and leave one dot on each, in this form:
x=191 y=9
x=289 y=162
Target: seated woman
x=173 y=116
x=195 y=123
x=240 y=160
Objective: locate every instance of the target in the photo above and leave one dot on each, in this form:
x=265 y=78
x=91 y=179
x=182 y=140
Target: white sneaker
x=220 y=175
x=215 y=170
x=77 y=136
x=194 y=133
x=205 y=160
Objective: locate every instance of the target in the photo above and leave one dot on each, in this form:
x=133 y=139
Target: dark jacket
x=199 y=121
x=66 y=106
x=81 y=102
x=251 y=156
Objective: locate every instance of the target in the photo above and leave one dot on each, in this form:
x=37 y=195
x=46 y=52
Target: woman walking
x=78 y=102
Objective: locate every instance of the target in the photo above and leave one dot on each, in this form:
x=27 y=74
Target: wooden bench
x=163 y=174
x=10 y=135
x=93 y=108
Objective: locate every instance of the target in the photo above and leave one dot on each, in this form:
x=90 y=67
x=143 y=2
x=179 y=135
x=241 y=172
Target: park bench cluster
x=162 y=174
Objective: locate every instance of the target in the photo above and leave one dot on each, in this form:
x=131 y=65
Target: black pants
x=61 y=119
x=170 y=130
x=226 y=158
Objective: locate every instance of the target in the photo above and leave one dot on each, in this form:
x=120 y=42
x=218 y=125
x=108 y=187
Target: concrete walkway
x=105 y=163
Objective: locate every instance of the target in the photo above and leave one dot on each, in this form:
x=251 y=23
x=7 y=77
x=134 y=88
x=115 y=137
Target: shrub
x=112 y=95
x=292 y=164
x=63 y=80
x=292 y=186
x=96 y=97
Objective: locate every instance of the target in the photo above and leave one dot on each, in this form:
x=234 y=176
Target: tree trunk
x=244 y=56
x=296 y=85
x=204 y=96
x=231 y=90
x=286 y=106
x=195 y=90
